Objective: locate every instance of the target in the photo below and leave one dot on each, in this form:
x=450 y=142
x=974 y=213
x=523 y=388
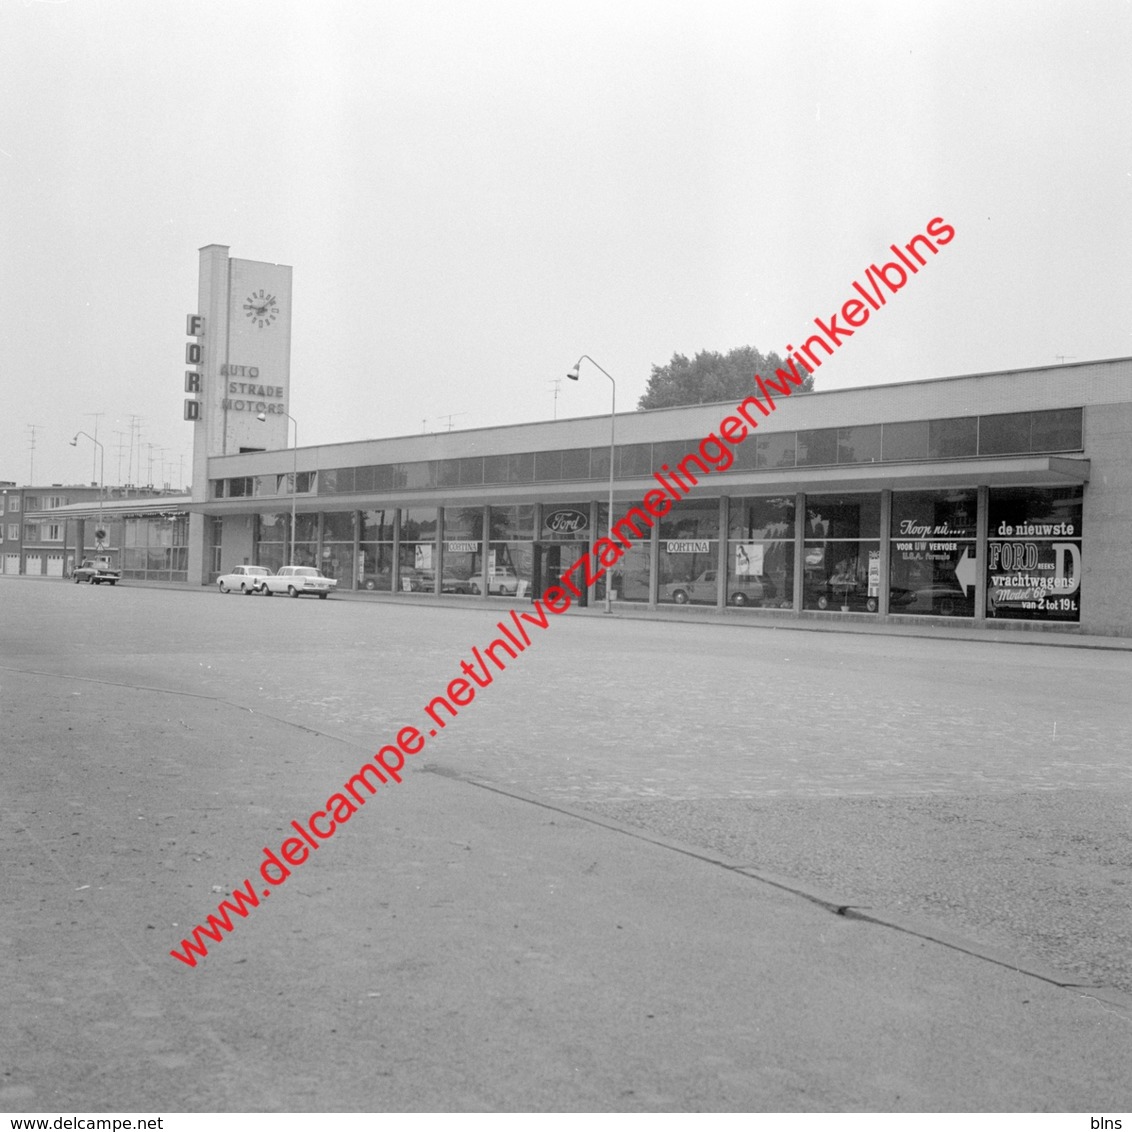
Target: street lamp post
x=101 y=483
x=573 y=376
x=294 y=477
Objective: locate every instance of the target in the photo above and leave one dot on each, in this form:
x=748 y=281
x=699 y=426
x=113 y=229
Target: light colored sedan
x=296 y=580
x=245 y=579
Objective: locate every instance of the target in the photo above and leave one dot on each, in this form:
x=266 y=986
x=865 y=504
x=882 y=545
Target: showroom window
x=932 y=570
x=1034 y=556
x=760 y=552
x=689 y=553
x=418 y=549
x=374 y=566
x=463 y=550
x=510 y=555
x=842 y=553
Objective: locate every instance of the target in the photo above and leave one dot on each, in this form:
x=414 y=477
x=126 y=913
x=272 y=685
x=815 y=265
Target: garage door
x=33 y=564
x=11 y=563
x=54 y=565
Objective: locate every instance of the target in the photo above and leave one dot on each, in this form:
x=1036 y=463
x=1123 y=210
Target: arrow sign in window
x=965 y=572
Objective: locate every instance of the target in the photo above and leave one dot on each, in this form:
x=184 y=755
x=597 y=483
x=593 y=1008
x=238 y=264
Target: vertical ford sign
x=194 y=355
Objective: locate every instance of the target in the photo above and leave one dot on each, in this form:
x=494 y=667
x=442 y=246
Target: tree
x=709 y=377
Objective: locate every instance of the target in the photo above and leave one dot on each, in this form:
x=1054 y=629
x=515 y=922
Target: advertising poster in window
x=749 y=560
x=1035 y=580
x=1034 y=558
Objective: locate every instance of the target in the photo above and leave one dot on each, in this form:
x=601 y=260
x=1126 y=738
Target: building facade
x=49 y=530
x=1001 y=498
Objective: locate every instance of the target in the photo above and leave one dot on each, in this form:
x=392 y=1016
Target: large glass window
x=629 y=579
x=337 y=556
x=418 y=549
x=272 y=534
x=471 y=471
x=336 y=481
x=905 y=440
x=520 y=467
x=634 y=460
x=215 y=528
x=599 y=463
x=576 y=464
x=305 y=552
x=858 y=445
x=374 y=566
x=817 y=446
x=463 y=550
x=932 y=570
x=689 y=553
x=447 y=473
x=1056 y=430
x=156 y=547
x=510 y=556
x=953 y=437
x=1034 y=554
x=1004 y=433
x=548 y=466
x=775 y=449
x=760 y=552
x=842 y=553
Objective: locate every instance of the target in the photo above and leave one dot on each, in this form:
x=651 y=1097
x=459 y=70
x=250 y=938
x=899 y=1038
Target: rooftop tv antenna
x=557 y=383
x=33 y=429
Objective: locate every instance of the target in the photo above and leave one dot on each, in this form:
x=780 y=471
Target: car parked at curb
x=95 y=571
x=245 y=579
x=297 y=580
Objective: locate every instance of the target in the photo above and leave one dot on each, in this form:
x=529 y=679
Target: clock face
x=261 y=307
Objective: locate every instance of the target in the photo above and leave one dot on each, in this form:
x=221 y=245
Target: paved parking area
x=983 y=787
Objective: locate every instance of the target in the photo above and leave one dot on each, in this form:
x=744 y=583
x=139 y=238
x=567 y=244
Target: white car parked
x=246 y=579
x=295 y=580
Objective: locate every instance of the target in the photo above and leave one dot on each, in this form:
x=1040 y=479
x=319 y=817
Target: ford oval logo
x=566 y=521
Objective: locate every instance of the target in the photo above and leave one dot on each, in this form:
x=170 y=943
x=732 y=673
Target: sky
x=473 y=194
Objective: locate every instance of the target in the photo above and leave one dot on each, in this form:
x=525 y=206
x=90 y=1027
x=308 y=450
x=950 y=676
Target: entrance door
x=552 y=559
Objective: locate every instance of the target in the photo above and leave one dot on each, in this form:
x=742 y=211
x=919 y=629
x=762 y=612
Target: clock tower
x=238 y=361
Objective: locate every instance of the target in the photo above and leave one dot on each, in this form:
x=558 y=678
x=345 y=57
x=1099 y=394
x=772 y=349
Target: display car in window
x=830 y=593
x=740 y=591
x=244 y=579
x=943 y=600
x=424 y=581
x=504 y=582
x=297 y=580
